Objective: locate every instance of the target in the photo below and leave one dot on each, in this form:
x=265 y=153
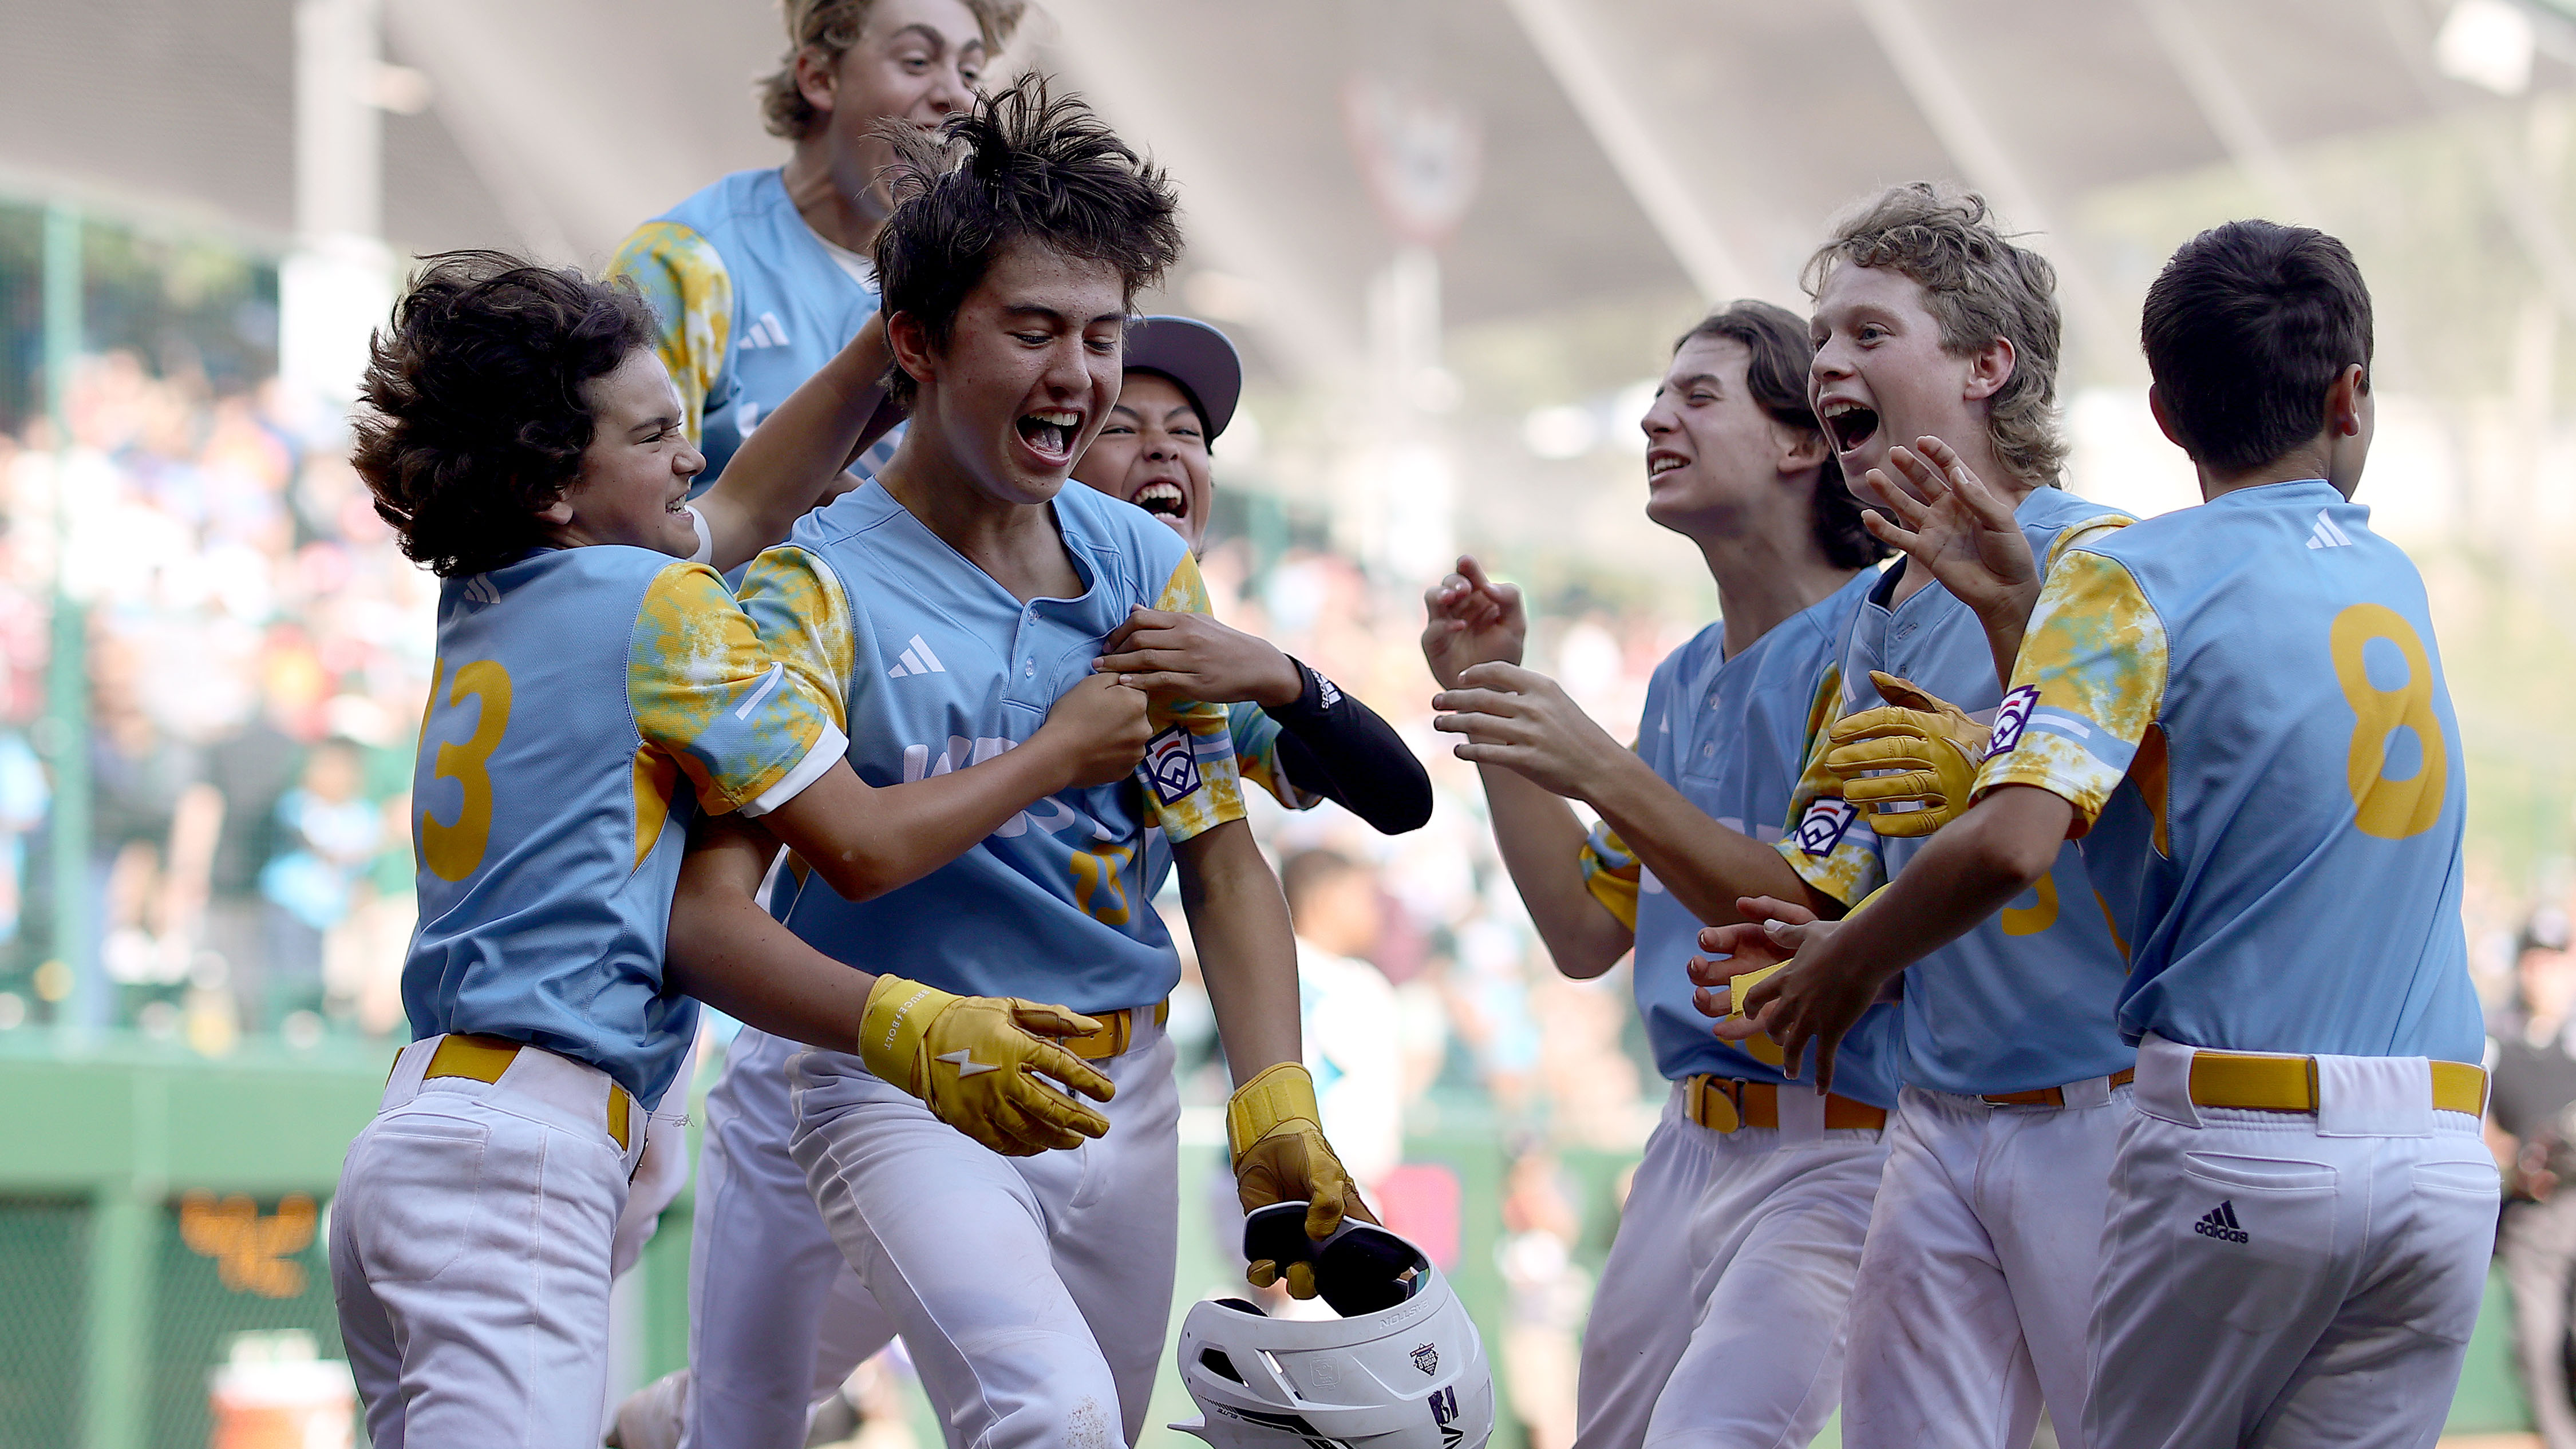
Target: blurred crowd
x=255 y=655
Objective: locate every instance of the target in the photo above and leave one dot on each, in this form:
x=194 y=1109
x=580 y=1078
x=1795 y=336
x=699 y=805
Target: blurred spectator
x=1549 y=1297
x=326 y=832
x=2533 y=1132
x=1353 y=1033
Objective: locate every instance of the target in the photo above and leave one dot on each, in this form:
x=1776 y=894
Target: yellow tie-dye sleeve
x=2086 y=689
x=707 y=696
x=1189 y=773
x=1612 y=873
x=802 y=614
x=1824 y=839
x=683 y=277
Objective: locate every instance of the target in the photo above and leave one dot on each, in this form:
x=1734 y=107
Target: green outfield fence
x=153 y=1212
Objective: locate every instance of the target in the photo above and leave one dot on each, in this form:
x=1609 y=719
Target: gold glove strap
x=1283 y=1093
x=890 y=1031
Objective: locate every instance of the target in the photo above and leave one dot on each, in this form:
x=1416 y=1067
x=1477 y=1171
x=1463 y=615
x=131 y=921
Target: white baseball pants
x=1032 y=1292
x=1970 y=1307
x=1720 y=1315
x=776 y=1318
x=470 y=1247
x=2330 y=1298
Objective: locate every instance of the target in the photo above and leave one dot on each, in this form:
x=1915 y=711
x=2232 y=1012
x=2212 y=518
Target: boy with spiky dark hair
x=2240 y=708
x=594 y=689
x=934 y=607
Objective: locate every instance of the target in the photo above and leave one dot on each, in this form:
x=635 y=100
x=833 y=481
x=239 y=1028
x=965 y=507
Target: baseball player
x=2302 y=1208
x=1972 y=1294
x=524 y=442
x=1719 y=1316
x=777 y=1320
x=933 y=604
x=761 y=277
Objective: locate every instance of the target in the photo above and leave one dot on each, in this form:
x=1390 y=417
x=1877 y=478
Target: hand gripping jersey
x=931 y=666
x=751 y=302
x=1732 y=735
x=2024 y=1000
x=2256 y=681
x=584 y=702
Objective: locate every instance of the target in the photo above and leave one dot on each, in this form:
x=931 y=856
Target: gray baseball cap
x=1195 y=355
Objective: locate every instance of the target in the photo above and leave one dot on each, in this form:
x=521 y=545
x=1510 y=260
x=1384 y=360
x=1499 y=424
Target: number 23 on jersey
x=455 y=850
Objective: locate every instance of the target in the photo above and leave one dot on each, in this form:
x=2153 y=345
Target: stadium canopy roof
x=1629 y=147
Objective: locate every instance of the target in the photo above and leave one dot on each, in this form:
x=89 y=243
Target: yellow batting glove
x=1909 y=765
x=981 y=1064
x=1280 y=1155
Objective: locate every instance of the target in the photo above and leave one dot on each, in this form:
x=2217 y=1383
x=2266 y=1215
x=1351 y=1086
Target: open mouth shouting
x=1050 y=432
x=1852 y=424
x=1660 y=461
x=1163 y=499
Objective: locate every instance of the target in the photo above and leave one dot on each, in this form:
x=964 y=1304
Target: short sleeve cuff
x=706 y=553
x=2060 y=766
x=827 y=752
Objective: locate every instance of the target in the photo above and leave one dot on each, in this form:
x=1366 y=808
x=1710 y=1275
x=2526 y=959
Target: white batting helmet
x=1402 y=1368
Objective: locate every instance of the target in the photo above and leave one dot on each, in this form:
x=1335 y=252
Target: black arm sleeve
x=1338 y=748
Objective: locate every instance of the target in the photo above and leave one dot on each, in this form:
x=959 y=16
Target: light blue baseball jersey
x=751 y=304
x=2255 y=682
x=1732 y=735
x=584 y=701
x=934 y=666
x=2024 y=1000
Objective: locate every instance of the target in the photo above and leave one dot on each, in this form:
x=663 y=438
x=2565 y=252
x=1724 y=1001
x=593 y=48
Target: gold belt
x=485 y=1058
x=1117 y=1030
x=1723 y=1104
x=2289 y=1084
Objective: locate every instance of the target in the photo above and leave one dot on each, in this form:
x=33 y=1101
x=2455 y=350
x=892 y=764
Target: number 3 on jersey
x=456 y=851
x=2391 y=807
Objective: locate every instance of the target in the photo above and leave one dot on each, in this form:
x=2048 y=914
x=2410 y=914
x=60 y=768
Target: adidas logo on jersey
x=917 y=659
x=2220 y=1223
x=2326 y=535
x=764 y=333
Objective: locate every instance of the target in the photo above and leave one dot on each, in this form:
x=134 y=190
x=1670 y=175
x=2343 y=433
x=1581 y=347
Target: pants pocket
x=2448 y=1240
x=2251 y=1238
x=416 y=1194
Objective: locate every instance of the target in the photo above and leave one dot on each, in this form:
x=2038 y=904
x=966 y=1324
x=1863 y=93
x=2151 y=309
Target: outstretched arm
x=1274 y=1128
x=1473 y=623
x=1973 y=868
x=1522 y=724
x=728 y=952
x=725 y=950
x=866 y=840
x=794 y=461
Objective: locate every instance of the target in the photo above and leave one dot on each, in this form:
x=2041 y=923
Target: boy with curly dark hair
x=934 y=606
x=525 y=443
